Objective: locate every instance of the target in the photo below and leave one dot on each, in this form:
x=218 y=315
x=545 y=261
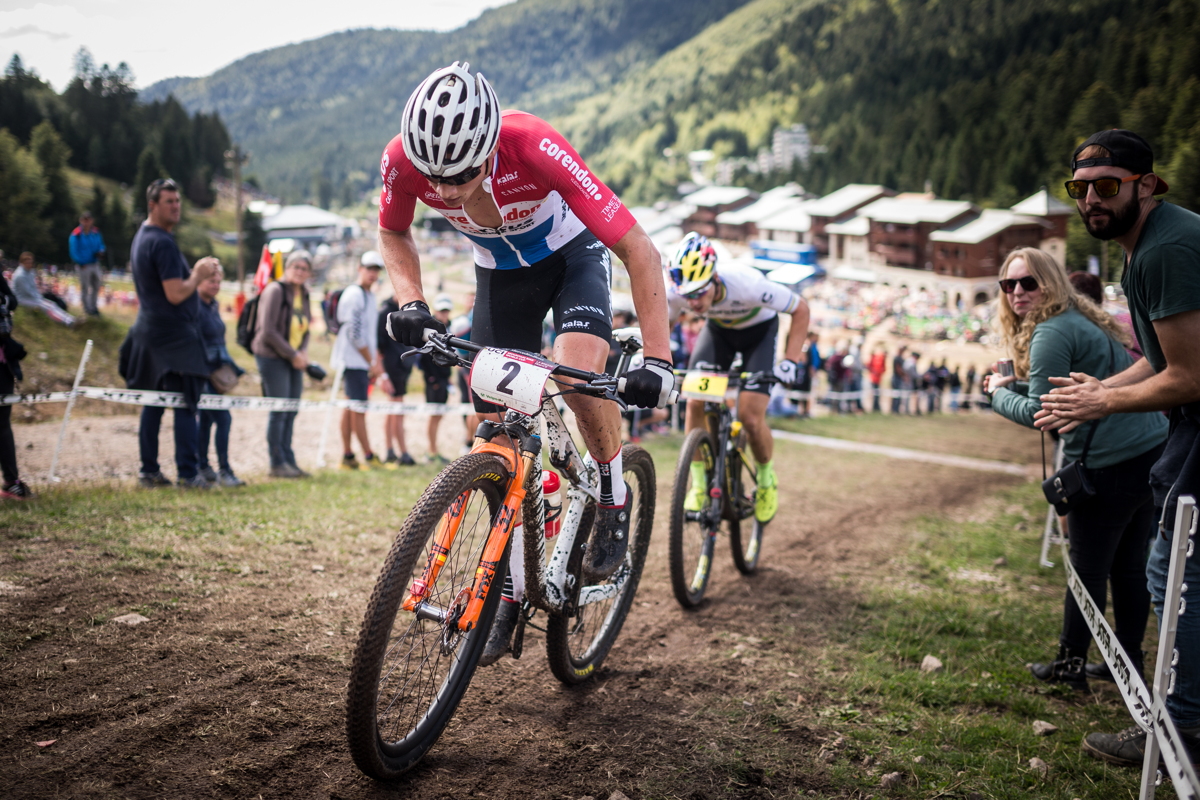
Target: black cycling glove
x=407 y=326
x=652 y=385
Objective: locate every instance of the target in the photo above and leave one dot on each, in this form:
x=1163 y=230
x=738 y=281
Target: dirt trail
x=236 y=688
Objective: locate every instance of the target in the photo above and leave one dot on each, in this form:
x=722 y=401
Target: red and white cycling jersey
x=545 y=193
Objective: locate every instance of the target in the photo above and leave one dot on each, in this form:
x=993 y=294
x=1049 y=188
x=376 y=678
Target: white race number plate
x=509 y=378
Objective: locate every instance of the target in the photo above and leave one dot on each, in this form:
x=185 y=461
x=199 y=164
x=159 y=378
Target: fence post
x=333 y=391
x=62 y=431
x=1182 y=546
x=1053 y=533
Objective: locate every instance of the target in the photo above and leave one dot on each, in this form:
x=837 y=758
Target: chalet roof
x=1043 y=204
x=914 y=209
x=301 y=217
x=781 y=198
x=711 y=196
x=855 y=226
x=793 y=218
x=990 y=222
x=844 y=200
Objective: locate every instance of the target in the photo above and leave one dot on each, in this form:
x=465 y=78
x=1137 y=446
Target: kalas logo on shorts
x=559 y=154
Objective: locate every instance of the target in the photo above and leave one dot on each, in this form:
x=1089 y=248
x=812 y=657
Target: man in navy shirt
x=164 y=350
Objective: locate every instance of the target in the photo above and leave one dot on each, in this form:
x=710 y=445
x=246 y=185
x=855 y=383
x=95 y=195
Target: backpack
x=247 y=324
x=329 y=308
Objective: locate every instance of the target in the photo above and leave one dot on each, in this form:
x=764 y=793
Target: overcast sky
x=165 y=39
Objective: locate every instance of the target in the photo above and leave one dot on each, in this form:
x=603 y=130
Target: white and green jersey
x=744 y=298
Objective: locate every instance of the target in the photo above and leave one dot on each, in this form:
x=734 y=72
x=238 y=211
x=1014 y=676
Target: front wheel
x=410 y=671
x=577 y=642
x=693 y=531
x=745 y=532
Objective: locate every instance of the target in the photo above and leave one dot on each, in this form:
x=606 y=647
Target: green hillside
x=328 y=106
x=982 y=99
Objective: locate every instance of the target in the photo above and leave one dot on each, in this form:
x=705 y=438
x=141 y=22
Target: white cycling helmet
x=451 y=122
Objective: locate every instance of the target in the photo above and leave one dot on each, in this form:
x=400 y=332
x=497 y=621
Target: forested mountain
x=324 y=109
x=982 y=99
x=96 y=125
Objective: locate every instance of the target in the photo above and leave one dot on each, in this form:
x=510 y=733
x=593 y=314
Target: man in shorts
x=743 y=309
x=437 y=381
x=396 y=369
x=541 y=225
x=355 y=348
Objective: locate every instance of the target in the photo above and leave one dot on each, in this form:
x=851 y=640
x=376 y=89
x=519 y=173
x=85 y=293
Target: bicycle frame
x=549 y=586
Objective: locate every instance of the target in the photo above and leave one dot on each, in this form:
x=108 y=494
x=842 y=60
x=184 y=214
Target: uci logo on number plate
x=510 y=378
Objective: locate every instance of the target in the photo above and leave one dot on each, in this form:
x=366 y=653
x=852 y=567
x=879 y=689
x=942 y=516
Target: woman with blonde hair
x=1050 y=329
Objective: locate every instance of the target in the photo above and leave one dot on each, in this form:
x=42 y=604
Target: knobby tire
x=577 y=643
x=689 y=566
x=745 y=531
x=406 y=680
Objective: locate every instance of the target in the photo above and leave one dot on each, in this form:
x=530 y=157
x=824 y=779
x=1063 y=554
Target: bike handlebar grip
x=428 y=334
x=673 y=398
x=621 y=385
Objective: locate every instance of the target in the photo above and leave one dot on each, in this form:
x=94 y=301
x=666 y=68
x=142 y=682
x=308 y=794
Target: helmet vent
x=456 y=125
x=438 y=122
x=443 y=99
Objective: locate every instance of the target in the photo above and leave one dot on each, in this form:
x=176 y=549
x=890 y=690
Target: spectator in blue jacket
x=87 y=248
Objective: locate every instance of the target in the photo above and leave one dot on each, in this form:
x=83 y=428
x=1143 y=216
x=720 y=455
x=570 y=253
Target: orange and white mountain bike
x=428 y=618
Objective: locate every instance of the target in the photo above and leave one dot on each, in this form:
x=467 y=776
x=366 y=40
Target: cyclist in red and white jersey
x=742 y=308
x=541 y=224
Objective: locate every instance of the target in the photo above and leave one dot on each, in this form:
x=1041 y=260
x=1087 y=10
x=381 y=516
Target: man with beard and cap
x=1115 y=189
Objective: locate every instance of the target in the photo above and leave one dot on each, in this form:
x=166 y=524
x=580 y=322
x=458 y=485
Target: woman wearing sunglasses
x=1051 y=329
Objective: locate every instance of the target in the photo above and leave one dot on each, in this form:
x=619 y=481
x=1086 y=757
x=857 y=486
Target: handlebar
x=597 y=384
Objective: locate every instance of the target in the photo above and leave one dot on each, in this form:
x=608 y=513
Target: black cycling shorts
x=398 y=374
x=510 y=304
x=716 y=348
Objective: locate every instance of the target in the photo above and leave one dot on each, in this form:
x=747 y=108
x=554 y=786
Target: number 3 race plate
x=708 y=386
x=510 y=378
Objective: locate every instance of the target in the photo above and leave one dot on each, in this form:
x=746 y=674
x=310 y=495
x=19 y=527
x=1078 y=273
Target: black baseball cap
x=1128 y=151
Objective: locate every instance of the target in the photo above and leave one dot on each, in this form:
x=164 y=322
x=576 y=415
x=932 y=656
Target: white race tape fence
x=141 y=397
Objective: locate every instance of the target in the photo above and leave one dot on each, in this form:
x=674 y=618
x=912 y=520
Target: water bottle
x=552 y=503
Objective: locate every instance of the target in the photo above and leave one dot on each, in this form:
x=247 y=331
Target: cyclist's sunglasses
x=1105 y=187
x=466 y=176
x=1028 y=283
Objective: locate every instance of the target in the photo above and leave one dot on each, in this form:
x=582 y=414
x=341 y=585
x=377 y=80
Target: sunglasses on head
x=1105 y=187
x=1028 y=283
x=466 y=176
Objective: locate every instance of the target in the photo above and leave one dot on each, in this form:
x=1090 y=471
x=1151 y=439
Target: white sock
x=612 y=485
x=516 y=566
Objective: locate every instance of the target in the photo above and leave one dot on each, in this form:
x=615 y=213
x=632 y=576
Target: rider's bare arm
x=797 y=333
x=403 y=263
x=644 y=264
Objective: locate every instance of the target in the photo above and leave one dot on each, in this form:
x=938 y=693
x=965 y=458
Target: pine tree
x=22 y=200
x=52 y=153
x=149 y=169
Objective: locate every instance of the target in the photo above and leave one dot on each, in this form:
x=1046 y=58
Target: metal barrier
x=1148 y=708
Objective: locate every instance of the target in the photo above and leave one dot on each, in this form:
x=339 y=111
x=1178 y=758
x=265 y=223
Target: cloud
x=28 y=30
